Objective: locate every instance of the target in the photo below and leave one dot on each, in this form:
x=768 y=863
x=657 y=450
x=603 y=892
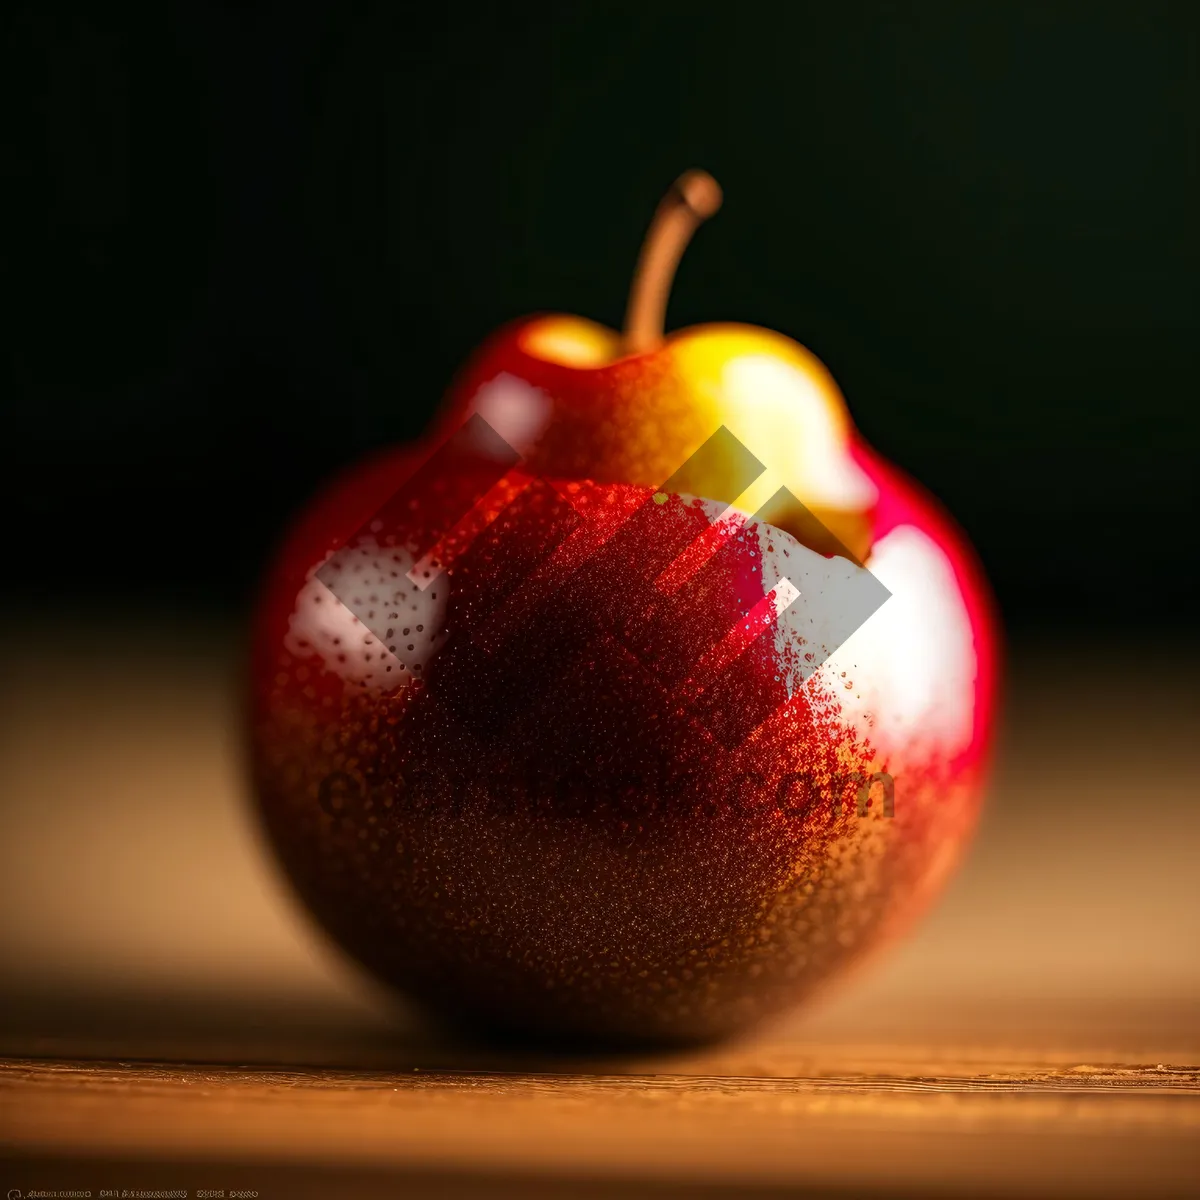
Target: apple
x=638 y=700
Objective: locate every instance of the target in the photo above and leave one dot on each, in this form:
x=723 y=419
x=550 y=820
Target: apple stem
x=694 y=197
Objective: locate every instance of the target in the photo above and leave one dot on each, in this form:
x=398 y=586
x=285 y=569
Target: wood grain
x=1083 y=1130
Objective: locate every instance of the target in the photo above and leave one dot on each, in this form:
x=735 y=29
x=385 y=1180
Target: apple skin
x=543 y=838
x=561 y=390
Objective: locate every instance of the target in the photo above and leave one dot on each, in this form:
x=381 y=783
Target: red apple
x=569 y=746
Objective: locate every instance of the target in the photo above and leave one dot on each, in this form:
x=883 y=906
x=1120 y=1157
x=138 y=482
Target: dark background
x=243 y=244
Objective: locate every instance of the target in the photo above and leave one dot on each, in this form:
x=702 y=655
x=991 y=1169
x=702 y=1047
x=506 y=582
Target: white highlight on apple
x=785 y=419
x=782 y=594
x=516 y=410
x=833 y=602
x=373 y=579
x=913 y=663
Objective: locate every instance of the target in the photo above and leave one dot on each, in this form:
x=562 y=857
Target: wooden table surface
x=168 y=1021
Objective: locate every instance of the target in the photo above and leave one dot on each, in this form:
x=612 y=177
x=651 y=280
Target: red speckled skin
x=543 y=833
